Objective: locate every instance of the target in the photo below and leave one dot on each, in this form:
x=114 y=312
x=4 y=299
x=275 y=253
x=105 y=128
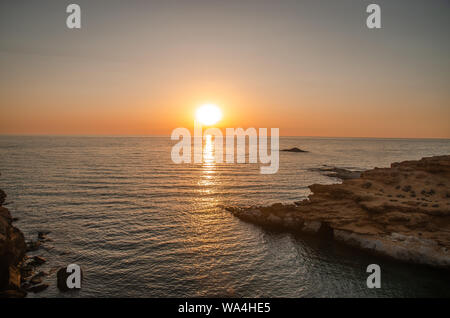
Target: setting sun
x=208 y=114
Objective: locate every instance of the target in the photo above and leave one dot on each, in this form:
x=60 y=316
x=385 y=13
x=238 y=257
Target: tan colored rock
x=402 y=211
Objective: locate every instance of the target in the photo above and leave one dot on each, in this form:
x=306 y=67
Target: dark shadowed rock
x=26 y=271
x=38 y=260
x=13 y=293
x=36 y=280
x=12 y=251
x=294 y=149
x=38 y=288
x=42 y=235
x=33 y=246
x=2 y=197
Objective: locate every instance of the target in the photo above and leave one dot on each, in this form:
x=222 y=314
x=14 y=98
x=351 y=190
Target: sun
x=208 y=114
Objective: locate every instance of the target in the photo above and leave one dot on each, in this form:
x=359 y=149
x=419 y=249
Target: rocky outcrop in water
x=402 y=211
x=12 y=251
x=17 y=270
x=339 y=173
x=295 y=149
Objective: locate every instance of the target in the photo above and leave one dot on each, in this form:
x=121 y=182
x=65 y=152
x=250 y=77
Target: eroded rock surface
x=402 y=211
x=12 y=251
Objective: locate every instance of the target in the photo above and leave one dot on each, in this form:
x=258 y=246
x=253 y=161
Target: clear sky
x=310 y=68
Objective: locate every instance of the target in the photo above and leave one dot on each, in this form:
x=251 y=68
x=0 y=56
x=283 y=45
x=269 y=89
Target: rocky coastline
x=402 y=212
x=18 y=271
x=12 y=253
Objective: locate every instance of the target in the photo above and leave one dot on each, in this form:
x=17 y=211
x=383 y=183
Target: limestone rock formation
x=402 y=211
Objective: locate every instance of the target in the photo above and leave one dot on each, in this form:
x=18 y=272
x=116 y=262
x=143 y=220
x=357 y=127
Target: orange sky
x=307 y=69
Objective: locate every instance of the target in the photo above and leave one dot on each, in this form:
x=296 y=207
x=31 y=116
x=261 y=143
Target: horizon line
x=168 y=136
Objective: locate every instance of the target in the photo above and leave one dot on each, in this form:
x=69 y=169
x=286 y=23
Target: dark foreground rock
x=12 y=251
x=402 y=211
x=37 y=261
x=38 y=288
x=2 y=197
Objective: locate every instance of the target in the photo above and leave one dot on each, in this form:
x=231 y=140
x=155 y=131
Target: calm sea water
x=141 y=226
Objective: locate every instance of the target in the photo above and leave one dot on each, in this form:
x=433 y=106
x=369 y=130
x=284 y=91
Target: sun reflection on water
x=208 y=179
x=208 y=154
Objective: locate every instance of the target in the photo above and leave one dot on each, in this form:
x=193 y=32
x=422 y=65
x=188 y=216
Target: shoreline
x=18 y=270
x=12 y=253
x=402 y=212
x=372 y=210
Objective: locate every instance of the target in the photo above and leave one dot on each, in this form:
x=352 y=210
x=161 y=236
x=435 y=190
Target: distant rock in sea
x=295 y=149
x=339 y=173
x=402 y=211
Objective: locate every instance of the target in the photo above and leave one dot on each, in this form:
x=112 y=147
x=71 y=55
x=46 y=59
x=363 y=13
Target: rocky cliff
x=12 y=251
x=402 y=211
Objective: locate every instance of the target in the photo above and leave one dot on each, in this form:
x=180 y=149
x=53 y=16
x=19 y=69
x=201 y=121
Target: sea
x=140 y=225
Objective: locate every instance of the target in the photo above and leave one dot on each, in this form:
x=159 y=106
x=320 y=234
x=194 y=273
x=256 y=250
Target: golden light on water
x=208 y=178
x=208 y=114
x=208 y=151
